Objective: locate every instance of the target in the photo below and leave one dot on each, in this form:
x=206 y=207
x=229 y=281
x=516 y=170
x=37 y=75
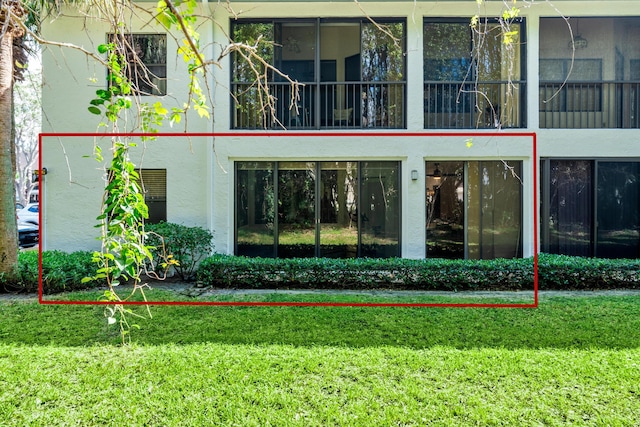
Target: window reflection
x=590 y=208
x=354 y=209
x=474 y=209
x=255 y=209
x=618 y=218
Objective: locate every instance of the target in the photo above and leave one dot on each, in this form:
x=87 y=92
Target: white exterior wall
x=74 y=184
x=201 y=180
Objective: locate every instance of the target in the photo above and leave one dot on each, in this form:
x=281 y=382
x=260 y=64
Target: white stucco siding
x=75 y=181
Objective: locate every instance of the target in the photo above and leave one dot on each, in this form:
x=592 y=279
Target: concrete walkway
x=188 y=289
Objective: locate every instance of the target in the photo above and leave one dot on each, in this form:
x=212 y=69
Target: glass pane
x=383 y=52
x=380 y=205
x=248 y=99
x=447 y=51
x=570 y=207
x=296 y=50
x=338 y=216
x=153 y=183
x=296 y=209
x=445 y=209
x=497 y=60
x=494 y=210
x=255 y=209
x=618 y=214
x=250 y=33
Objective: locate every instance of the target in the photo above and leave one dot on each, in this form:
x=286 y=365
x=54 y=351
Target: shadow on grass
x=562 y=322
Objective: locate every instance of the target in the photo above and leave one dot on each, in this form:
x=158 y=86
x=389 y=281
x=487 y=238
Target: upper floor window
x=352 y=74
x=472 y=77
x=589 y=76
x=146 y=56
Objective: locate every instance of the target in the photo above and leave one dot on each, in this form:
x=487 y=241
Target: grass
x=573 y=361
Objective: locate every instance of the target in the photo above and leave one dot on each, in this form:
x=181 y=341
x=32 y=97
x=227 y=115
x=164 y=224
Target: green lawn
x=573 y=361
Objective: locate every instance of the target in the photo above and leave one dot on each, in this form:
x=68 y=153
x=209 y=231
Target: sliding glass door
x=338 y=209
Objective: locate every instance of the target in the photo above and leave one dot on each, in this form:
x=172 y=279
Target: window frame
x=138 y=81
x=456 y=98
x=467 y=208
x=545 y=208
x=319 y=167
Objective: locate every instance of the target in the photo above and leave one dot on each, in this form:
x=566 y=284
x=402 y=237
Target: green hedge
x=555 y=272
x=61 y=271
x=64 y=272
x=560 y=272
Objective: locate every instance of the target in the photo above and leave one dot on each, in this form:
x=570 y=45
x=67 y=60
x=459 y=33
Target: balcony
x=465 y=105
x=325 y=105
x=590 y=105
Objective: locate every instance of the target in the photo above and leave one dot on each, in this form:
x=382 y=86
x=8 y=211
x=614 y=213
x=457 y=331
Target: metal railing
x=326 y=105
x=587 y=105
x=471 y=105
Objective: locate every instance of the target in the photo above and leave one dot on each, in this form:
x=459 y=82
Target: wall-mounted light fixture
x=414 y=175
x=35 y=175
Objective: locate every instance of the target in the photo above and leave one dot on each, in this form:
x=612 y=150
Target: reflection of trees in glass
x=298 y=223
x=570 y=207
x=382 y=52
x=255 y=208
x=618 y=213
x=260 y=33
x=338 y=209
x=479 y=74
x=447 y=51
x=251 y=100
x=606 y=226
x=380 y=205
x=491 y=225
x=445 y=210
x=296 y=196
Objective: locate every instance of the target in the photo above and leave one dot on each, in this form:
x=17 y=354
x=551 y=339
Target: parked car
x=29 y=214
x=28 y=235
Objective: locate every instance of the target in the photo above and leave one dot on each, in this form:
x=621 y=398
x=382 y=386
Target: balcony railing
x=326 y=105
x=470 y=105
x=587 y=105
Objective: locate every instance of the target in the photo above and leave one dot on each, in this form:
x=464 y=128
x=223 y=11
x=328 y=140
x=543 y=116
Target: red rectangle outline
x=534 y=141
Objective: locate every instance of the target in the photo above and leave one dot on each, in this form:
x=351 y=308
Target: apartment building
x=409 y=134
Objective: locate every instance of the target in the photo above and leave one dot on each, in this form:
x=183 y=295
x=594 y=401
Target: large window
x=472 y=79
x=589 y=72
x=329 y=209
x=590 y=207
x=474 y=209
x=353 y=73
x=146 y=56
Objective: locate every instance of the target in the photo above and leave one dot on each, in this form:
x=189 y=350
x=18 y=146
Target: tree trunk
x=8 y=223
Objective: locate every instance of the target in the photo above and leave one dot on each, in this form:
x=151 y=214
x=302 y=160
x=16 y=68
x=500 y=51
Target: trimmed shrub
x=554 y=272
x=563 y=272
x=64 y=272
x=61 y=271
x=365 y=273
x=187 y=245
